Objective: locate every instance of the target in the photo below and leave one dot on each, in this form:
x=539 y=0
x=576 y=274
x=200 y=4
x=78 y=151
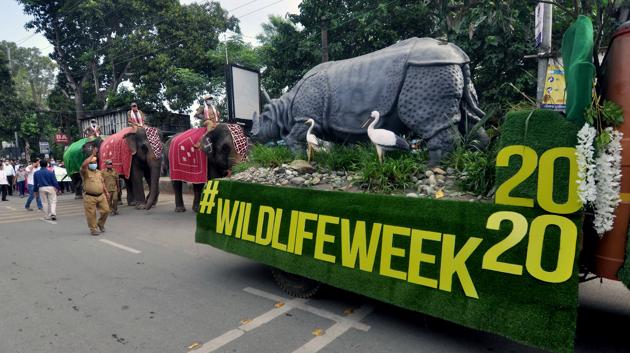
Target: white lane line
x=120 y=246
x=256 y=322
x=19 y=220
x=11 y=208
x=313 y=310
x=336 y=330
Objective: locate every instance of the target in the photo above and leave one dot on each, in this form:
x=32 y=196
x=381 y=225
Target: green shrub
x=475 y=169
x=344 y=157
x=395 y=173
x=265 y=156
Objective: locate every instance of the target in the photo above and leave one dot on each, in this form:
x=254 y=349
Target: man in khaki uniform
x=110 y=176
x=94 y=194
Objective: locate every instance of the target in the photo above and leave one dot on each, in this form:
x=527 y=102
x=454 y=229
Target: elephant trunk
x=154 y=187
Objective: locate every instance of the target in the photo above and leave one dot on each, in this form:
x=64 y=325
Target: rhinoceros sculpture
x=420 y=85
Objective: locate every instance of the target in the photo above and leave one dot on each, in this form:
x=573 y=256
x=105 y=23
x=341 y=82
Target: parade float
x=510 y=266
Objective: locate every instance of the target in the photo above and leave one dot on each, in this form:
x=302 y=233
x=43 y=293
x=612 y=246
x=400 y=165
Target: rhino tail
x=472 y=115
x=470 y=102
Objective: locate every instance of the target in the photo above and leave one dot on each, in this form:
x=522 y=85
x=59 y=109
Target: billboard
x=243 y=92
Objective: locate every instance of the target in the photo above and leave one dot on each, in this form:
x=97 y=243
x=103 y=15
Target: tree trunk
x=78 y=106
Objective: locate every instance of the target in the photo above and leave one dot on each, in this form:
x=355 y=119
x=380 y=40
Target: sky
x=252 y=14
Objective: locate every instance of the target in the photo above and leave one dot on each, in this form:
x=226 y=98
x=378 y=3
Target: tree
x=496 y=35
x=99 y=44
x=10 y=106
x=33 y=73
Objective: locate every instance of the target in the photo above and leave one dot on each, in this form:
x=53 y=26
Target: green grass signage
x=508 y=268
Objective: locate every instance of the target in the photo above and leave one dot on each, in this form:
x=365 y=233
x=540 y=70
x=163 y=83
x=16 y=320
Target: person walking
x=9 y=171
x=20 y=177
x=30 y=181
x=46 y=186
x=95 y=194
x=110 y=176
x=4 y=182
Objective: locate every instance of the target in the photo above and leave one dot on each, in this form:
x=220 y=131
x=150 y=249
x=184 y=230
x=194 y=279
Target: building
x=113 y=121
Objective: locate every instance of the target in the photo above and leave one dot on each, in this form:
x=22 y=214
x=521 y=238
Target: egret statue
x=313 y=142
x=383 y=140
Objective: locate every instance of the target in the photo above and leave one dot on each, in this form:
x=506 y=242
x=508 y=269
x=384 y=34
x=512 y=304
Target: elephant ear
x=131 y=143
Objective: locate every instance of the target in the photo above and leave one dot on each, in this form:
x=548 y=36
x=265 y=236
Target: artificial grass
x=520 y=307
x=541 y=130
x=624 y=271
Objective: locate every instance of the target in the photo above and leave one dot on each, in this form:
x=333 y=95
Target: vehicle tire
x=294 y=285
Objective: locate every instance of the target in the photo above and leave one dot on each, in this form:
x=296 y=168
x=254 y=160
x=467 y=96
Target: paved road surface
x=145 y=286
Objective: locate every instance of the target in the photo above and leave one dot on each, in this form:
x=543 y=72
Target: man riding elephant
x=136 y=154
x=220 y=149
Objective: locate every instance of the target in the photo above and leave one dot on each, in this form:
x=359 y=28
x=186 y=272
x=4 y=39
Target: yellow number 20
x=546 y=173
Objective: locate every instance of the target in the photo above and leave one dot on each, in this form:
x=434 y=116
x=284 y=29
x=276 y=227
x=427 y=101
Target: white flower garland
x=586 y=164
x=608 y=177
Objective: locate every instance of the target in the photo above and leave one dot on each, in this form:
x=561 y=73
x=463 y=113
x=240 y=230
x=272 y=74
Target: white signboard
x=245 y=93
x=44 y=147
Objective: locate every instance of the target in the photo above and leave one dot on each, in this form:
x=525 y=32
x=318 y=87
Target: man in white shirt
x=30 y=181
x=9 y=171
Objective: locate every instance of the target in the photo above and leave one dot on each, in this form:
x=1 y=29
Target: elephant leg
x=197 y=188
x=429 y=105
x=77 y=184
x=296 y=139
x=129 y=187
x=153 y=173
x=179 y=199
x=138 y=189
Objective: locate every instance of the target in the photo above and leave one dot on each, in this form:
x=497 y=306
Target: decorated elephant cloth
x=239 y=139
x=115 y=148
x=153 y=135
x=187 y=163
x=73 y=157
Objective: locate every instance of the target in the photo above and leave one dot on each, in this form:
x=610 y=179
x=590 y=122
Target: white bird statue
x=383 y=140
x=313 y=142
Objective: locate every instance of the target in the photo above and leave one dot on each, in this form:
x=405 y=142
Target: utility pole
x=544 y=50
x=9 y=57
x=324 y=39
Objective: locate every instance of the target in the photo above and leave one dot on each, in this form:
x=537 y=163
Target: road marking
x=256 y=322
x=120 y=246
x=342 y=324
x=313 y=310
x=336 y=330
x=11 y=208
x=36 y=218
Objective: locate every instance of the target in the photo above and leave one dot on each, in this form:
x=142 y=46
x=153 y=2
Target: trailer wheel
x=294 y=285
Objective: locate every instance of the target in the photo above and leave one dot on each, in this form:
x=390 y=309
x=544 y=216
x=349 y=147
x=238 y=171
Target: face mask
x=92 y=166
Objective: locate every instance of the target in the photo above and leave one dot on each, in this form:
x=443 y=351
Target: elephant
x=222 y=149
x=144 y=165
x=136 y=157
x=76 y=153
x=419 y=85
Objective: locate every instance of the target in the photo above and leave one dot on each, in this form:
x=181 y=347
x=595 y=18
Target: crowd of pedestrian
x=42 y=180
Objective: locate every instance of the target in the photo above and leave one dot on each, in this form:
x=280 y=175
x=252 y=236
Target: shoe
x=102 y=229
x=46 y=218
x=53 y=217
x=95 y=232
x=29 y=209
x=40 y=209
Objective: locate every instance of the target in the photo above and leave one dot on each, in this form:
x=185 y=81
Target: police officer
x=95 y=194
x=110 y=176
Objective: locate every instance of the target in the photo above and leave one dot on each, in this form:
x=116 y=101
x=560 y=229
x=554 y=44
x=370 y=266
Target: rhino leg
x=296 y=139
x=429 y=105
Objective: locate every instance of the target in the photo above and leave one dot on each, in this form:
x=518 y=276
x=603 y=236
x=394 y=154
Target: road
x=145 y=286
